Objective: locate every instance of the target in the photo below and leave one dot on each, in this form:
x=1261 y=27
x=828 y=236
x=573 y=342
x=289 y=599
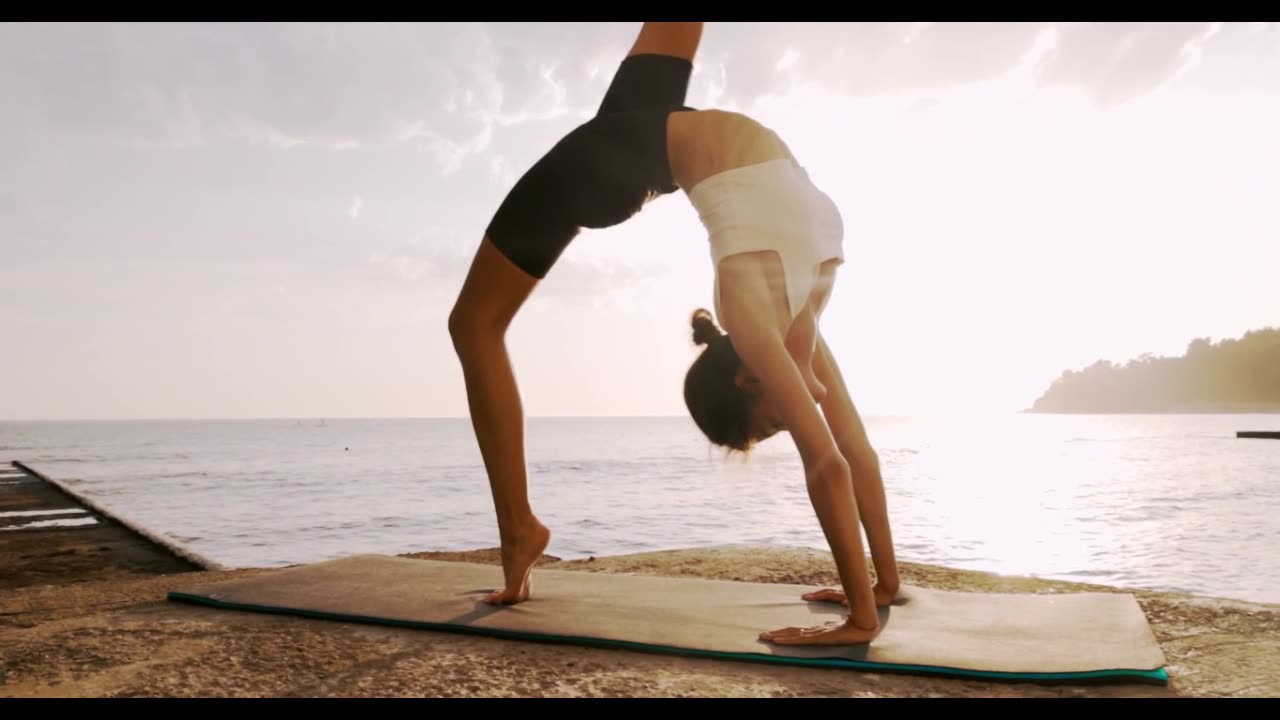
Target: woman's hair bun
x=704 y=328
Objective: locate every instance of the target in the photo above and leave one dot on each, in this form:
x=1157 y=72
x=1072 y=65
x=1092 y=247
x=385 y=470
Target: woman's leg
x=680 y=39
x=656 y=70
x=527 y=235
x=494 y=290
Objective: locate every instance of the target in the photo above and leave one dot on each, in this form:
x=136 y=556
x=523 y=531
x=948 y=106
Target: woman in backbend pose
x=775 y=240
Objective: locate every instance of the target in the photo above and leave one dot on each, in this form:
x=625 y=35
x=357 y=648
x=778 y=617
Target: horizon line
x=181 y=418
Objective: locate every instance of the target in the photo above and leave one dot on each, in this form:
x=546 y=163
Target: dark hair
x=719 y=407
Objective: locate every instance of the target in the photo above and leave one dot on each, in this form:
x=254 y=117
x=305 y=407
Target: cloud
x=1115 y=62
x=446 y=88
x=1112 y=62
x=861 y=58
x=283 y=86
x=1238 y=56
x=390 y=108
x=437 y=261
x=577 y=282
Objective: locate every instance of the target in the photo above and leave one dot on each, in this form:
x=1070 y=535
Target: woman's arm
x=864 y=465
x=746 y=316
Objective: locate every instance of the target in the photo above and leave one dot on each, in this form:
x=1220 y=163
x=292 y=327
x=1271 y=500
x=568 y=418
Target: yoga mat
x=1047 y=638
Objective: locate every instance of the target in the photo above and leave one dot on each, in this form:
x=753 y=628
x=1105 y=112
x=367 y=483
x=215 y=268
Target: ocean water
x=1171 y=502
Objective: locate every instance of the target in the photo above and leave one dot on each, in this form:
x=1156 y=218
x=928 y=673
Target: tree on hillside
x=1243 y=372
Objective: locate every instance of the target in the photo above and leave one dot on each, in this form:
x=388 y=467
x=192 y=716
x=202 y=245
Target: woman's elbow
x=830 y=472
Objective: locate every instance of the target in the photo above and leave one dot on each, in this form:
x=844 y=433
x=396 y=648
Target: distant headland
x=1230 y=376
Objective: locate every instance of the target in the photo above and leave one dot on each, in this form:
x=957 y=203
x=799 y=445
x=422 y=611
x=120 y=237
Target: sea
x=1164 y=502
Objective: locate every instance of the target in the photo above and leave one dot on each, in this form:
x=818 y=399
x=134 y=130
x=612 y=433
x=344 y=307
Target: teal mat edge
x=1158 y=676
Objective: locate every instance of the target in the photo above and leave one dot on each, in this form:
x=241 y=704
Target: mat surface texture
x=1053 y=637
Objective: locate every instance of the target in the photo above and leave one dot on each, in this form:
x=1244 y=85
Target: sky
x=261 y=220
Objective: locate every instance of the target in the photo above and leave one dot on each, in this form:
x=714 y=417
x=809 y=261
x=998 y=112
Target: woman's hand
x=832 y=633
x=826 y=595
x=884 y=596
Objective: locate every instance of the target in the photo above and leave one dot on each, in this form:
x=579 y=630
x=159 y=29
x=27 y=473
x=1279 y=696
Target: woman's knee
x=459 y=327
x=470 y=331
x=494 y=291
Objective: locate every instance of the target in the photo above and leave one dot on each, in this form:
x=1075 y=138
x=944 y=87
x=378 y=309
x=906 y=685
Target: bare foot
x=832 y=633
x=884 y=596
x=518 y=558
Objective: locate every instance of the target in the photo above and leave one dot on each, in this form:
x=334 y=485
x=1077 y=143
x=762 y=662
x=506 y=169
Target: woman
x=760 y=208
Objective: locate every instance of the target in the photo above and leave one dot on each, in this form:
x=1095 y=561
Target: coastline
x=120 y=637
x=1223 y=409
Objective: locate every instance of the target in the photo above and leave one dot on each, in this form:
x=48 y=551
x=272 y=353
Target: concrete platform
x=49 y=536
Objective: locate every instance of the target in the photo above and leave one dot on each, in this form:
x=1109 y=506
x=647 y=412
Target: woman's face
x=764 y=420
